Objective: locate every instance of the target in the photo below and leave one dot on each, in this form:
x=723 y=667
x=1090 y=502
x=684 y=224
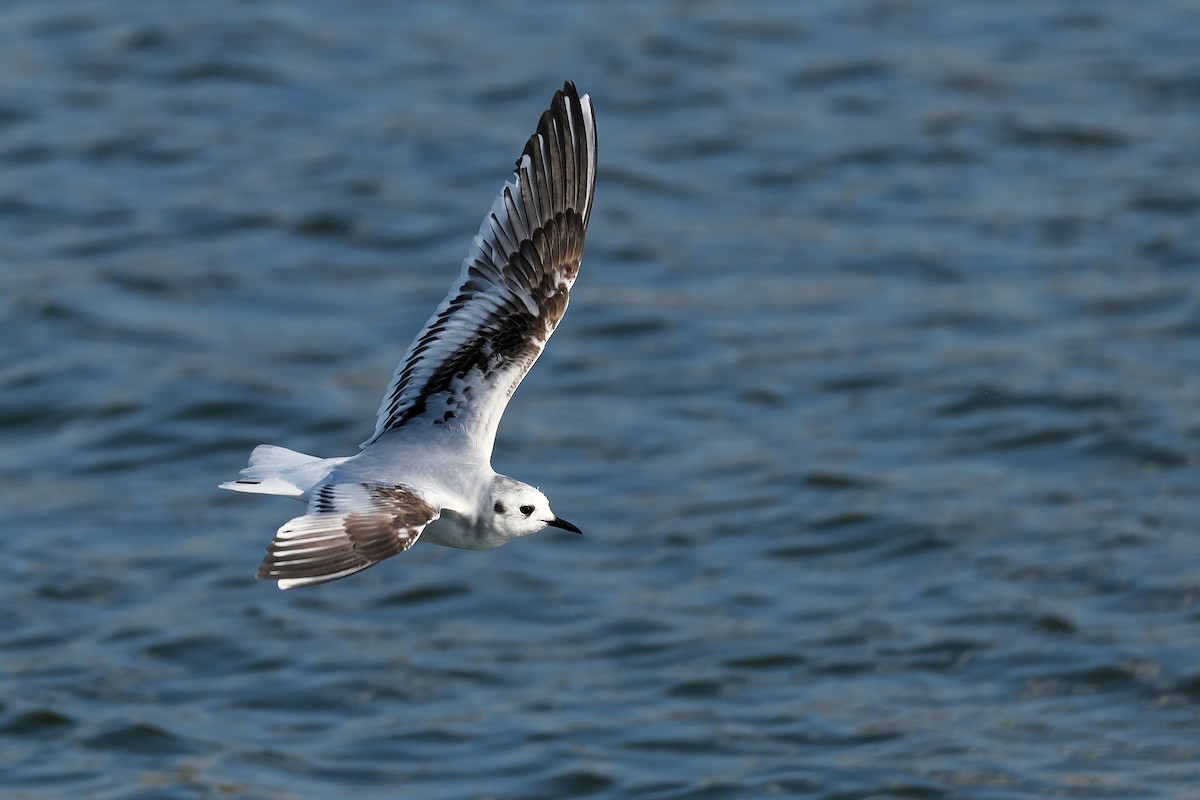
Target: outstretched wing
x=348 y=527
x=463 y=367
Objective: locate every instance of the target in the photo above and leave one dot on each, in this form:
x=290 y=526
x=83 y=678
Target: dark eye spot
x=498 y=508
x=527 y=510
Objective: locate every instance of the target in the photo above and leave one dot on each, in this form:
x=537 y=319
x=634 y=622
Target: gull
x=426 y=470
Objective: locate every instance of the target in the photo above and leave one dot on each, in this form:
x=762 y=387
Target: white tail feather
x=278 y=470
x=267 y=486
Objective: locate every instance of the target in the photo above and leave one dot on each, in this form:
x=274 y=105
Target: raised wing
x=348 y=527
x=463 y=367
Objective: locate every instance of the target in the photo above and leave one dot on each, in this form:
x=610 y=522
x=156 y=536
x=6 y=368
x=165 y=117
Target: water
x=879 y=400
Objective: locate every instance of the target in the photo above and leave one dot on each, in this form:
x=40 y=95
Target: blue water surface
x=878 y=399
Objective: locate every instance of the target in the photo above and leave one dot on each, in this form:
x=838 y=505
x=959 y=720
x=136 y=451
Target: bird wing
x=465 y=364
x=348 y=527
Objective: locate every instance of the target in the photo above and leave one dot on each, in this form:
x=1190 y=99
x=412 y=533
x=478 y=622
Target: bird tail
x=278 y=470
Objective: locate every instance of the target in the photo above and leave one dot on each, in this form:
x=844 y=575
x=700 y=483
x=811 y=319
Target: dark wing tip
x=564 y=149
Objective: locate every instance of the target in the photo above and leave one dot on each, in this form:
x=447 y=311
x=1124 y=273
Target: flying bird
x=426 y=470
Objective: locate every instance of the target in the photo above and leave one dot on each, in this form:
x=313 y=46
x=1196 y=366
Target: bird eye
x=498 y=508
x=527 y=510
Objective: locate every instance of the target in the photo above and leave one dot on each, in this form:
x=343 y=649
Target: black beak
x=558 y=522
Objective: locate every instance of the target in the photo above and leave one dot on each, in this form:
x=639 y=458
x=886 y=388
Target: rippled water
x=879 y=399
